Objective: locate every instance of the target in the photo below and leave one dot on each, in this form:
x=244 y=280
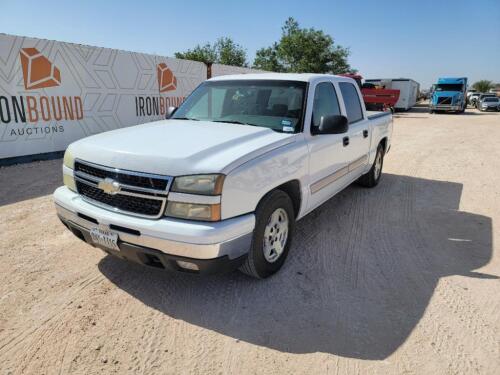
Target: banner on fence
x=53 y=93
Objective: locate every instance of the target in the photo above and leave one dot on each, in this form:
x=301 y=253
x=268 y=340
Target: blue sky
x=407 y=38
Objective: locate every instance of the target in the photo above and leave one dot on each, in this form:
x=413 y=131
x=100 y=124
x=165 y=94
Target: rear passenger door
x=359 y=137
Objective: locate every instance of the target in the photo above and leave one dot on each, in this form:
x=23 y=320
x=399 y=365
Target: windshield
x=449 y=87
x=277 y=105
x=491 y=99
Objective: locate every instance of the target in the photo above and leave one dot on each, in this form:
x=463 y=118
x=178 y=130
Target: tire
x=372 y=178
x=431 y=111
x=258 y=264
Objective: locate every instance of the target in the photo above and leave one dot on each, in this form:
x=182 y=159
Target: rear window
x=491 y=99
x=351 y=101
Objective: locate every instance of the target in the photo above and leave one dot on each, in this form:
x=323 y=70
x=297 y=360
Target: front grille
x=444 y=100
x=138 y=194
x=137 y=205
x=138 y=180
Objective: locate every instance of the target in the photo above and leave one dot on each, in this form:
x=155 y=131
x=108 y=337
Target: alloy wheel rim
x=275 y=235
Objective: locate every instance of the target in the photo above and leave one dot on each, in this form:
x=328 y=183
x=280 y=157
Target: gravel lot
x=400 y=279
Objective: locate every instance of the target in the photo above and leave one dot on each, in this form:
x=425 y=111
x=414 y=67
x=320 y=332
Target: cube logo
x=38 y=71
x=166 y=79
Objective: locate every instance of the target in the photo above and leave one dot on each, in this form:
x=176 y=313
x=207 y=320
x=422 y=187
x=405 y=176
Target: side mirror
x=170 y=112
x=335 y=124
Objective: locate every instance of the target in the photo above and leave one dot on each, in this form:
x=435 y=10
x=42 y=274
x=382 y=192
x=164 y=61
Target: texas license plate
x=105 y=238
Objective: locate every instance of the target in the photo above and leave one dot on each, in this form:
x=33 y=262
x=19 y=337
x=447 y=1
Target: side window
x=325 y=102
x=351 y=101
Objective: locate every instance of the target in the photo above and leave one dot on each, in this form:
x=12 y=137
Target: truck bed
x=376 y=114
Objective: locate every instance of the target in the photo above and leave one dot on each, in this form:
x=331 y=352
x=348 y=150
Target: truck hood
x=179 y=147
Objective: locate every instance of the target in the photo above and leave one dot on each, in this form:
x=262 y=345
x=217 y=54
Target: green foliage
x=230 y=53
x=267 y=59
x=303 y=50
x=483 y=85
x=223 y=51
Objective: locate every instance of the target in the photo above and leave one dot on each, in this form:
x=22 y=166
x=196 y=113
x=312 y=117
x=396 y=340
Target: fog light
x=188 y=265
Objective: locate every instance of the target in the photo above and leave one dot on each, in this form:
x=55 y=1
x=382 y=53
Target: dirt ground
x=400 y=279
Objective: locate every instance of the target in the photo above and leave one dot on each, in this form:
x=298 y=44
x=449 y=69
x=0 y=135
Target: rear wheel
x=272 y=237
x=372 y=178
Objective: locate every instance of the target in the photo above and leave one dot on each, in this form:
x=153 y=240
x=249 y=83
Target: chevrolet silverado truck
x=221 y=182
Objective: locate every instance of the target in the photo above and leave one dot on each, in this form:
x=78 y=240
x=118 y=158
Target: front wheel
x=372 y=178
x=272 y=237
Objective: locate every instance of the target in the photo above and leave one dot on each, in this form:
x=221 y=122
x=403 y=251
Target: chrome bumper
x=197 y=240
x=445 y=107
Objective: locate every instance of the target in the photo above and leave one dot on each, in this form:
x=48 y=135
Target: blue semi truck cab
x=450 y=94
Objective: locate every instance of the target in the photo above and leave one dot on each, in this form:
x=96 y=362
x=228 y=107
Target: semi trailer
x=408 y=90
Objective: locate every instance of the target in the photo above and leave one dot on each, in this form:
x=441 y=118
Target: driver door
x=329 y=159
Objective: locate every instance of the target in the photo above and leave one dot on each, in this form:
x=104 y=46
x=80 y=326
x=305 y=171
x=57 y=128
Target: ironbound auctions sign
x=53 y=93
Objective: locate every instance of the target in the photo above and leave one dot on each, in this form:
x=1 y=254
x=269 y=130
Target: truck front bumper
x=201 y=247
x=445 y=107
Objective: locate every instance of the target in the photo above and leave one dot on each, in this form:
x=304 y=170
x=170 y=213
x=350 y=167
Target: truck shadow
x=358 y=279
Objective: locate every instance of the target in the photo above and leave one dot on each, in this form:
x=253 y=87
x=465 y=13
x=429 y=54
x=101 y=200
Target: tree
x=223 y=51
x=267 y=59
x=483 y=85
x=303 y=50
x=230 y=53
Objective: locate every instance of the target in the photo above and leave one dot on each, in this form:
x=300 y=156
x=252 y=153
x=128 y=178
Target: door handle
x=345 y=141
x=365 y=133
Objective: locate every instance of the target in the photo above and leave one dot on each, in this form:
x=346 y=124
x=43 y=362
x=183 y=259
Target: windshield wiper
x=235 y=122
x=184 y=118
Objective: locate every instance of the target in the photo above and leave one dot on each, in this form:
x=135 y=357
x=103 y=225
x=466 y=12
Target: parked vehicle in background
x=489 y=103
x=220 y=184
x=470 y=92
x=482 y=96
x=449 y=95
x=495 y=91
x=474 y=98
x=408 y=90
x=376 y=98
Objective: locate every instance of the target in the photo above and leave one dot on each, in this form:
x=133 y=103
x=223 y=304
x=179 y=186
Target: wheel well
x=292 y=188
x=383 y=142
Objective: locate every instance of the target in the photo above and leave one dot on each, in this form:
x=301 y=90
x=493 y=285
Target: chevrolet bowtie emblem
x=109 y=186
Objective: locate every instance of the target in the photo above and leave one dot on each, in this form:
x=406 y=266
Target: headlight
x=69 y=160
x=69 y=163
x=207 y=184
x=194 y=211
x=69 y=181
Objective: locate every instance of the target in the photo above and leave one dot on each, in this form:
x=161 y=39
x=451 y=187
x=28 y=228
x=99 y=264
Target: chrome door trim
x=339 y=173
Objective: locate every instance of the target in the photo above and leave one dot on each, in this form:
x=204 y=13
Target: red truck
x=375 y=98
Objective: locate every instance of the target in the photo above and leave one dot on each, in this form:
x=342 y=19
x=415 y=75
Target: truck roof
x=304 y=77
x=452 y=80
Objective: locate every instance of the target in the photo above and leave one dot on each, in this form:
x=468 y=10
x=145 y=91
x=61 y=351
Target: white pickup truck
x=220 y=184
